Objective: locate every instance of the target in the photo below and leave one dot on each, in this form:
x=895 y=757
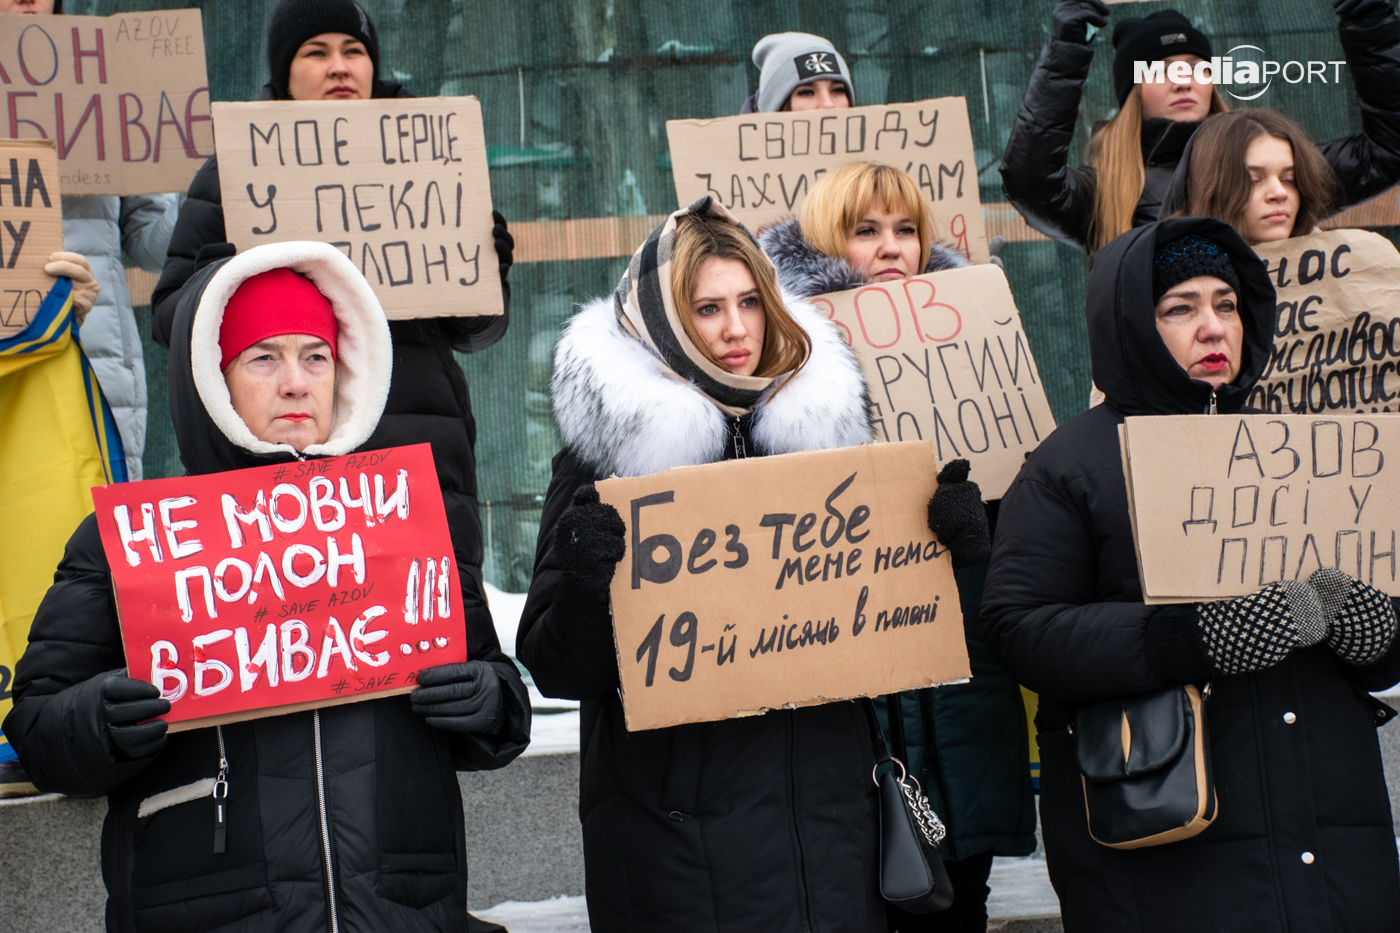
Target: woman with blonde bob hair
x=863 y=222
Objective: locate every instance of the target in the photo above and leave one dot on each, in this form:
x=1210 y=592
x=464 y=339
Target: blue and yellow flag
x=57 y=440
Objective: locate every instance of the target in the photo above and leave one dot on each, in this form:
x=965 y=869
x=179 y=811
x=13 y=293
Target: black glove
x=589 y=541
x=462 y=697
x=1071 y=19
x=956 y=516
x=505 y=244
x=1360 y=618
x=1362 y=14
x=125 y=702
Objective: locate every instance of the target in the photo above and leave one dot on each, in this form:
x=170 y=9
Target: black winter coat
x=966 y=743
x=391 y=836
x=761 y=823
x=1058 y=200
x=1063 y=610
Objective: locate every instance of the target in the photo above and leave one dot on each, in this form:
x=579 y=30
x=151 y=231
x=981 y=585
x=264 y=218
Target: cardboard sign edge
x=224 y=719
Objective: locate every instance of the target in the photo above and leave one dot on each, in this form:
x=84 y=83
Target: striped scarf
x=647 y=312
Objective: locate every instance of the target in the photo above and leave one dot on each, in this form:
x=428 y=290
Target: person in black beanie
x=1132 y=157
x=1181 y=317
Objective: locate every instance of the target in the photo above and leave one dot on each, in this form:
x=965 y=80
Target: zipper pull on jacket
x=221 y=797
x=737 y=439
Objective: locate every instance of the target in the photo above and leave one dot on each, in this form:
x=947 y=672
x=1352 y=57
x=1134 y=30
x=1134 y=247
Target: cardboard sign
x=399 y=185
x=31 y=229
x=124 y=97
x=947 y=361
x=762 y=165
x=779 y=582
x=1337 y=336
x=265 y=591
x=1224 y=504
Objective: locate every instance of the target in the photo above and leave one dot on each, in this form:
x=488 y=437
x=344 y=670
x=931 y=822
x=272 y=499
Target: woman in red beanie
x=347 y=818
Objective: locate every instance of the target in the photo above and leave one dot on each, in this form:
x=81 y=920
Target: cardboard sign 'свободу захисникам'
x=783 y=581
x=762 y=166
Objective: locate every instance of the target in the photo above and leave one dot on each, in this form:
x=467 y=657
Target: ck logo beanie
x=788 y=60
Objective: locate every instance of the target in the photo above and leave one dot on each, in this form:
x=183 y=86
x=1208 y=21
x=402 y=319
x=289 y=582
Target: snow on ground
x=1020 y=890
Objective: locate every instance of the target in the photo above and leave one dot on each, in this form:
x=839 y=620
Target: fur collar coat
x=805 y=272
x=622 y=411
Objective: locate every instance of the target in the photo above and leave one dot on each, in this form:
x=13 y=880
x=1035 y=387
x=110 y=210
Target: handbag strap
x=877 y=735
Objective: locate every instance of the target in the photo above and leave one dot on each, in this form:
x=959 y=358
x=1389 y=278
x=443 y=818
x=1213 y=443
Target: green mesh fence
x=576 y=94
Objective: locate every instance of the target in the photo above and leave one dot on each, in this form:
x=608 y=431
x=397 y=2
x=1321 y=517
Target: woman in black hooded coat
x=429 y=400
x=347 y=818
x=1304 y=839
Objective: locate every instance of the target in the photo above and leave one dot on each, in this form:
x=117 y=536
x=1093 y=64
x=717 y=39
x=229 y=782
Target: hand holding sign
x=284 y=587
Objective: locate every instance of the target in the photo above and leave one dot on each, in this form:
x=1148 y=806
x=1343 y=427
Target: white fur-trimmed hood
x=623 y=412
x=364 y=351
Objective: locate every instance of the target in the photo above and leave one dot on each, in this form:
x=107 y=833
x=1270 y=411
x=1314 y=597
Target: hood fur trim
x=364 y=360
x=805 y=272
x=623 y=412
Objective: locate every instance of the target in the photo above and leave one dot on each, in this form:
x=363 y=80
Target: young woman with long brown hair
x=1133 y=155
x=1259 y=172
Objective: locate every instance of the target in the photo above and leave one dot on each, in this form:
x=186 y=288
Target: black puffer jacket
x=762 y=823
x=1058 y=200
x=966 y=743
x=1063 y=610
x=393 y=822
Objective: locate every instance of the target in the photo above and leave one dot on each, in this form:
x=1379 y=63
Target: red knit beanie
x=271 y=304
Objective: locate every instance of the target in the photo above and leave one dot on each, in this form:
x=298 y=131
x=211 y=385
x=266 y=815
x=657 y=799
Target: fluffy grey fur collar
x=805 y=272
x=623 y=412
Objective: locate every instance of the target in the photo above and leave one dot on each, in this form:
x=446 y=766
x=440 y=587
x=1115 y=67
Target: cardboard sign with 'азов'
x=399 y=185
x=264 y=591
x=947 y=361
x=1224 y=504
x=1337 y=334
x=31 y=229
x=124 y=97
x=762 y=166
x=778 y=582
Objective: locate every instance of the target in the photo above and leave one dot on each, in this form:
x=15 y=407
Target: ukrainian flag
x=57 y=440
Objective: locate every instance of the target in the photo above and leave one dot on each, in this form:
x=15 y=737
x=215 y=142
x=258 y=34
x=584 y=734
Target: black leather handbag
x=1145 y=764
x=912 y=876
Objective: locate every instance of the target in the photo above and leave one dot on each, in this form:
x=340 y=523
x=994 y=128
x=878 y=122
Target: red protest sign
x=257 y=592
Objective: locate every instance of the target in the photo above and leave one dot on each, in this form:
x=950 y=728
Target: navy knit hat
x=1187 y=257
x=295 y=21
x=1152 y=39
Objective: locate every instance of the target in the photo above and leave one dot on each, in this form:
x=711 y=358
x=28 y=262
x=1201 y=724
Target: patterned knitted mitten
x=1259 y=630
x=1360 y=618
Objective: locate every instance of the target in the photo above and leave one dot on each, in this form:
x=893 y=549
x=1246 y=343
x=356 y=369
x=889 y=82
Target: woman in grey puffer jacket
x=101 y=227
